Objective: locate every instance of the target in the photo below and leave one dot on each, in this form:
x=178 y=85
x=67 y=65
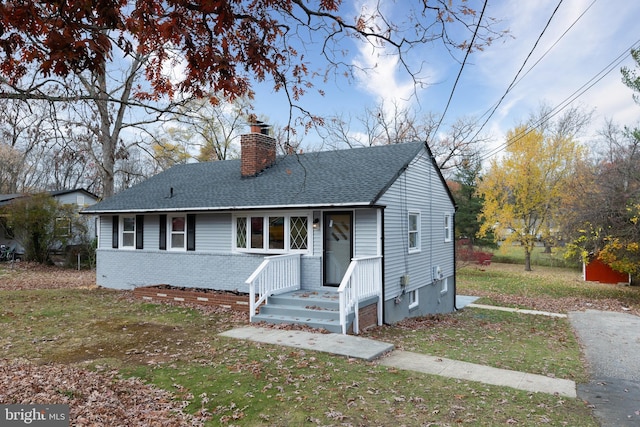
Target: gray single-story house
x=369 y=225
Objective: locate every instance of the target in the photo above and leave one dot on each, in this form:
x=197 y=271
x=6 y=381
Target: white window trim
x=122 y=233
x=170 y=233
x=418 y=248
x=444 y=286
x=265 y=243
x=67 y=227
x=413 y=299
x=447 y=227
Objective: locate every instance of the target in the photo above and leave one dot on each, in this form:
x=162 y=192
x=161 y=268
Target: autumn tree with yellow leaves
x=523 y=190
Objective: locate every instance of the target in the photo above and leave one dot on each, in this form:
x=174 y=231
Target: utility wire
x=567 y=101
x=546 y=52
x=461 y=68
x=515 y=78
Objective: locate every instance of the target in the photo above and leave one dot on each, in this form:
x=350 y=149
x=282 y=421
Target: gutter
x=227 y=208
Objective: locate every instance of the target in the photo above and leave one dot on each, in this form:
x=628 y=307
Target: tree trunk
x=527 y=259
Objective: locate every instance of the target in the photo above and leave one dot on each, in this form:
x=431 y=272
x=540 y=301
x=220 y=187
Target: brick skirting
x=232 y=300
x=235 y=301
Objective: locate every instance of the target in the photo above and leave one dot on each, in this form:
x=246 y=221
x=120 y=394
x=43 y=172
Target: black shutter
x=162 y=243
x=191 y=232
x=114 y=231
x=139 y=231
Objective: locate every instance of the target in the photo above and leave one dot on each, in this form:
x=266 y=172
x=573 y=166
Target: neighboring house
x=79 y=197
x=375 y=224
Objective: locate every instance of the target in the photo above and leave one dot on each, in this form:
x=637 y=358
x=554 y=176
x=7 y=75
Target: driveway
x=611 y=344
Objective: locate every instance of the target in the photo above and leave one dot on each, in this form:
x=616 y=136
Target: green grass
x=252 y=384
x=541 y=283
x=513 y=254
x=535 y=344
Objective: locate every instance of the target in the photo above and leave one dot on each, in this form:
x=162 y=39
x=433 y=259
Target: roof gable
x=329 y=178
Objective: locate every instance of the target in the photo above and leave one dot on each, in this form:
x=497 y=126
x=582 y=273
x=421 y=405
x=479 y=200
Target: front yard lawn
x=225 y=381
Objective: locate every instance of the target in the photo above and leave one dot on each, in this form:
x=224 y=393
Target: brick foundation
x=368 y=318
x=235 y=301
x=164 y=293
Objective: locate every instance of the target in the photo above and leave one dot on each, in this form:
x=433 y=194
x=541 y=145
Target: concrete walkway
x=485 y=374
x=342 y=345
x=518 y=310
x=367 y=349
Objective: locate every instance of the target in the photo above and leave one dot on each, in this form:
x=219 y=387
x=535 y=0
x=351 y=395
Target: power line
x=475 y=32
x=555 y=43
x=515 y=78
x=567 y=101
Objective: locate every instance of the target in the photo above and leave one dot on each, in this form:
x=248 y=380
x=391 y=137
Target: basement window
x=413 y=299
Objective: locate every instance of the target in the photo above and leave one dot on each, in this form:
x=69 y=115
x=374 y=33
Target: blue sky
x=591 y=45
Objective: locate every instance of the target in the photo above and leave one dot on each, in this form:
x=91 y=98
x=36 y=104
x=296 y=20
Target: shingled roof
x=354 y=177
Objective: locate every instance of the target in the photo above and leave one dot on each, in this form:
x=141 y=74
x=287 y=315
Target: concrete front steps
x=314 y=308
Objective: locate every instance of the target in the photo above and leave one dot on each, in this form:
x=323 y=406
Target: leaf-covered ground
x=94 y=398
x=27 y=275
x=545 y=289
x=81 y=347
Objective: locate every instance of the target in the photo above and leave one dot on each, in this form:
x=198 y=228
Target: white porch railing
x=276 y=274
x=363 y=279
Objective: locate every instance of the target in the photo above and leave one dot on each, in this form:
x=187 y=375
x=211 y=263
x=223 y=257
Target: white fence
x=362 y=280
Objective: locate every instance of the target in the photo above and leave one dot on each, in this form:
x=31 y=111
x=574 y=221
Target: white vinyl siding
x=418 y=189
x=366 y=240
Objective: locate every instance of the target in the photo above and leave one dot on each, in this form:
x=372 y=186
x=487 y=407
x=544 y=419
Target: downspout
x=383 y=258
x=455 y=279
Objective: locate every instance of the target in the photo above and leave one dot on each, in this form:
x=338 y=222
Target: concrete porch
x=313 y=308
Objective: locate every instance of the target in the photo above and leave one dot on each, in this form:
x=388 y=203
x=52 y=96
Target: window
x=63 y=227
x=128 y=232
x=80 y=200
x=414 y=232
x=444 y=285
x=241 y=232
x=298 y=232
x=413 y=299
x=177 y=229
x=257 y=232
x=278 y=234
x=447 y=228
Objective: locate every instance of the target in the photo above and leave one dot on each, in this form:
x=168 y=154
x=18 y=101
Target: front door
x=338 y=246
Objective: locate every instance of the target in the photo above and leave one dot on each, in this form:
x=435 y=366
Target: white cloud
x=380 y=73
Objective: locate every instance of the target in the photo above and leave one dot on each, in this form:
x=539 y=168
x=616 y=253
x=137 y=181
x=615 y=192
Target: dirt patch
x=130 y=343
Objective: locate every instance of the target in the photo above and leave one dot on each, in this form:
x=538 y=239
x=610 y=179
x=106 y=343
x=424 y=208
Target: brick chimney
x=257 y=150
